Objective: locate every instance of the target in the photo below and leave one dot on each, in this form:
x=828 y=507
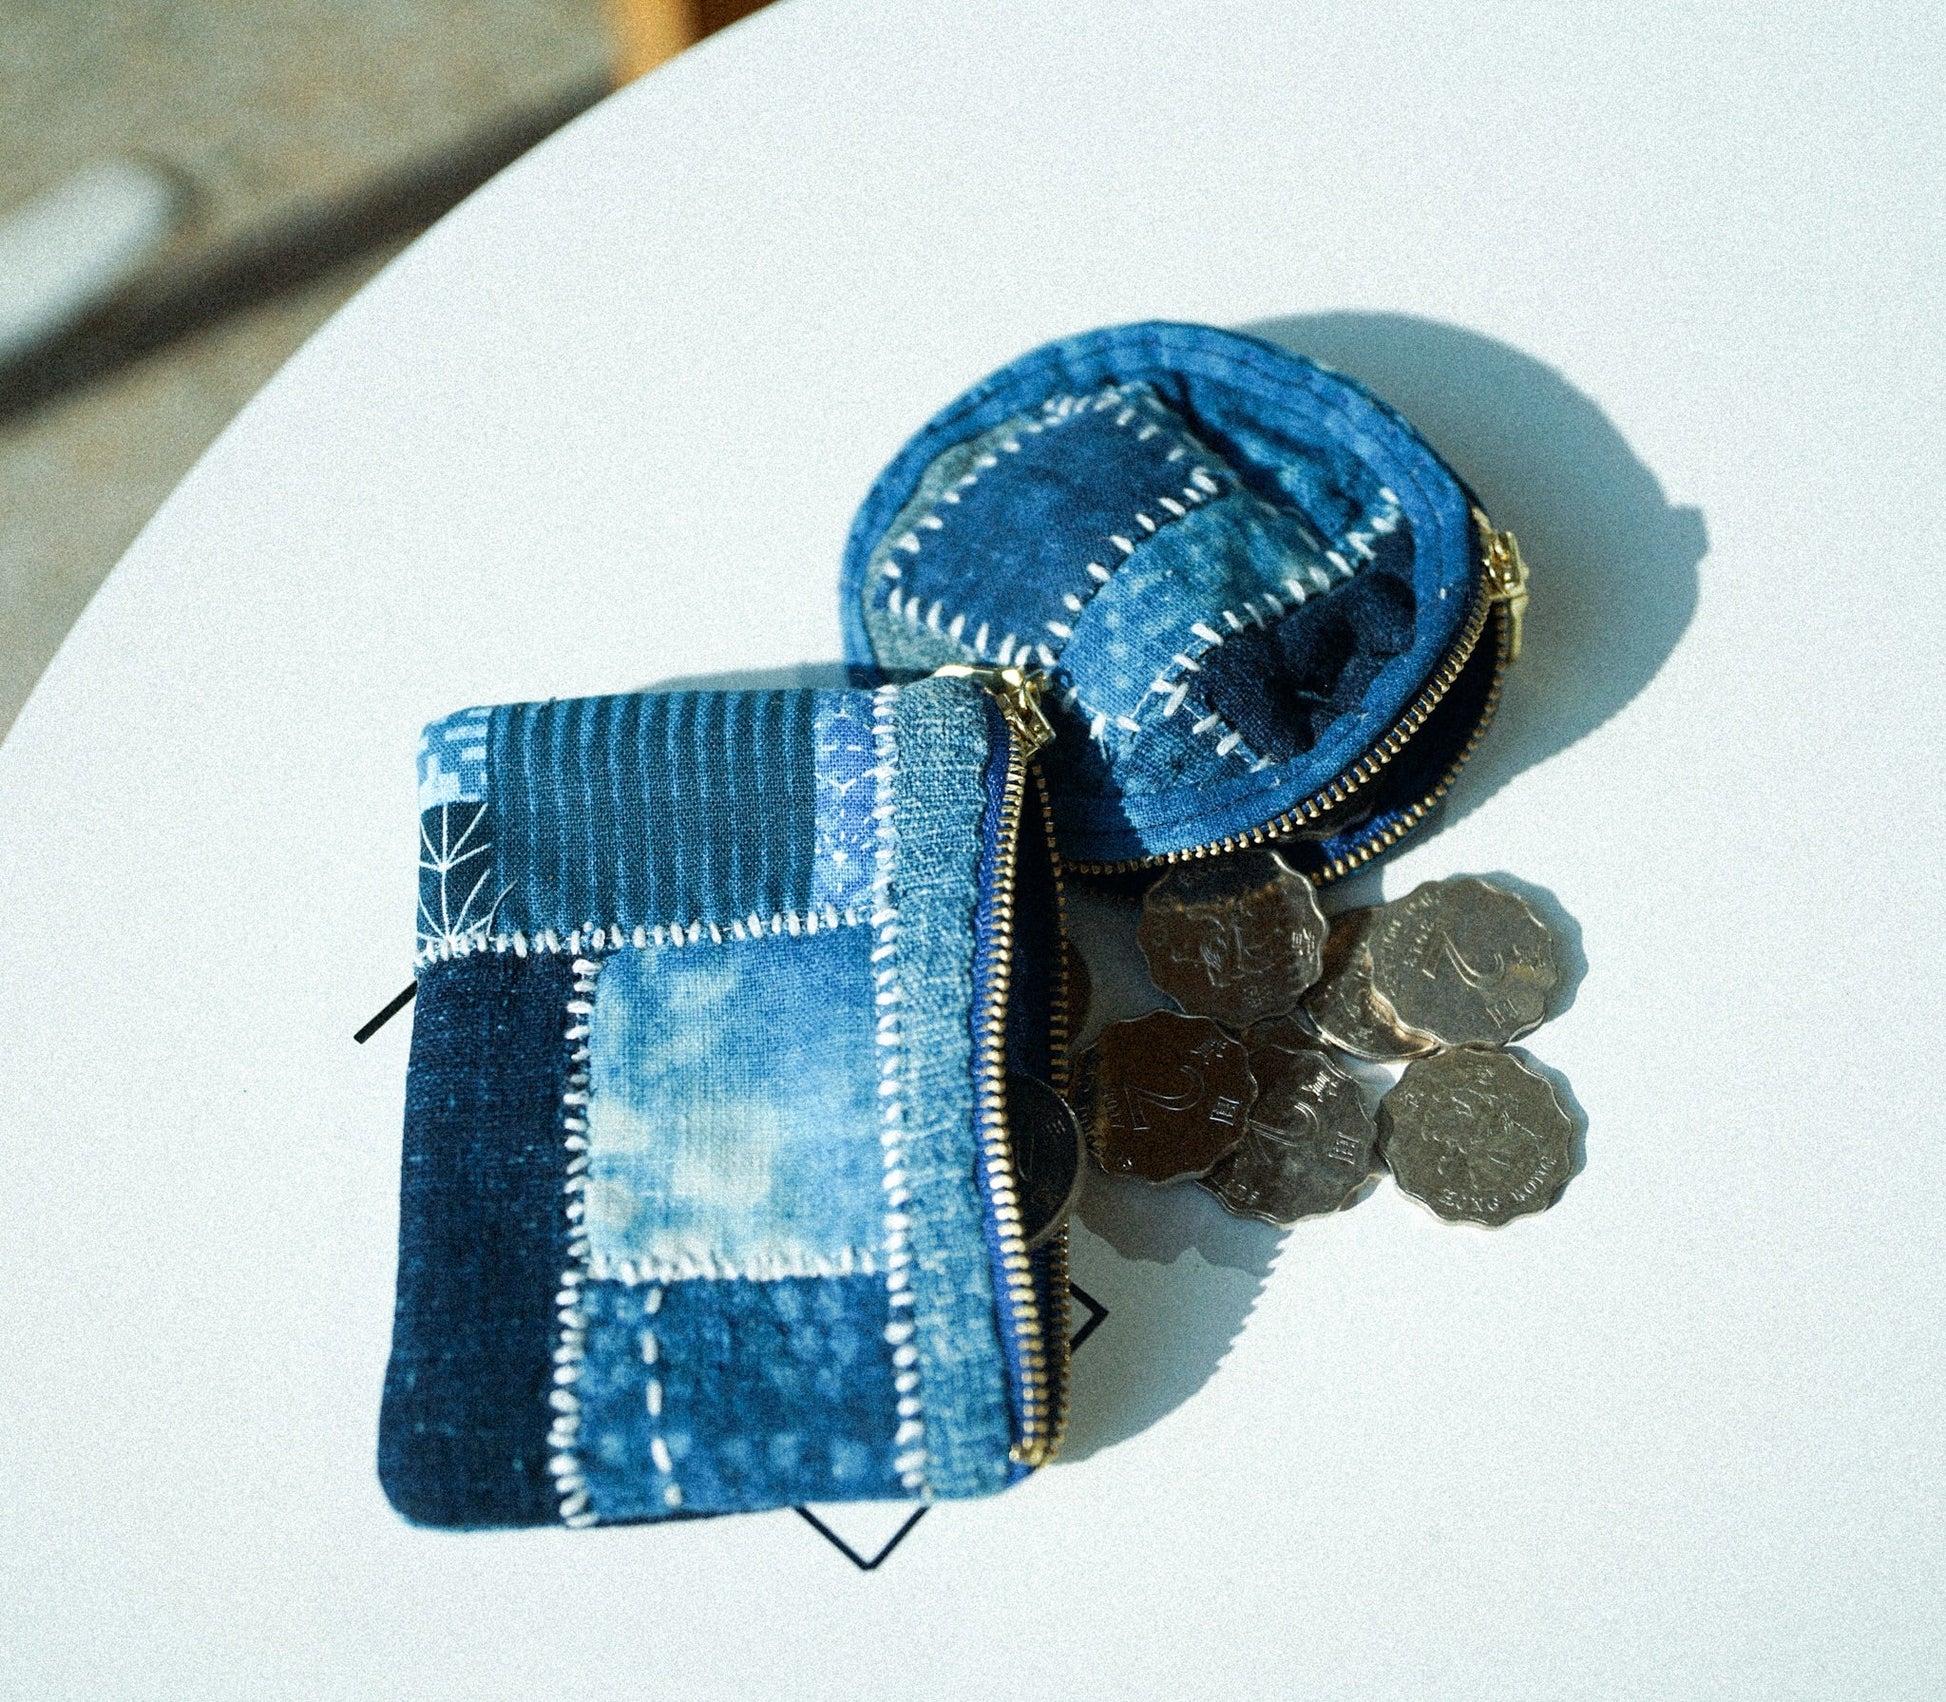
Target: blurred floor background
x=312 y=137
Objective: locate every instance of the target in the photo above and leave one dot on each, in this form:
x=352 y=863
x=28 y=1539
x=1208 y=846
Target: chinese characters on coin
x=1162 y=1098
x=1309 y=1142
x=1464 y=961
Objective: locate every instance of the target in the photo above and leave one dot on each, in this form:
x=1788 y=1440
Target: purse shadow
x=1178 y=1274
x=1615 y=586
x=1614 y=562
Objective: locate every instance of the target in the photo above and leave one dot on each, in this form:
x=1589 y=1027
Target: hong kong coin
x=1476 y=1135
x=1163 y=1097
x=1341 y=1004
x=1047 y=1155
x=1238 y=938
x=1309 y=1142
x=1464 y=961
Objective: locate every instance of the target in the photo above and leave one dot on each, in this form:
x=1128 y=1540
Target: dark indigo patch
x=482 y=1244
x=1284 y=686
x=770 y=1393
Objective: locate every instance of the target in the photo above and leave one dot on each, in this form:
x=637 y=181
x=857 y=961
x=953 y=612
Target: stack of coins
x=1244 y=1092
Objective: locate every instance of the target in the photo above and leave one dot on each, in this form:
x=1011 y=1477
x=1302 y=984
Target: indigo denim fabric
x=643 y=810
x=482 y=1243
x=939 y=811
x=1008 y=534
x=692 y=1215
x=733 y=1117
x=1304 y=493
x=766 y=1393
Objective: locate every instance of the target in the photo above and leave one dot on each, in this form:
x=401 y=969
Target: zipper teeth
x=1062 y=1326
x=1057 y=1329
x=1061 y=1016
x=1362 y=772
x=1363 y=852
x=1016 y=1268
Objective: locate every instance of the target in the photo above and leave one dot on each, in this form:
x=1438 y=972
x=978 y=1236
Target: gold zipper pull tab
x=1506 y=571
x=1019 y=695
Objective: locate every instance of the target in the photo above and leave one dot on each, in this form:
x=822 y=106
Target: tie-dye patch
x=733 y=1116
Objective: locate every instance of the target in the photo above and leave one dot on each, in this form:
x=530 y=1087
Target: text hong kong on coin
x=1164 y=1097
x=1477 y=1136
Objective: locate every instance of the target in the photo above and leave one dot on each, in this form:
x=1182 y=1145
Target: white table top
x=1667 y=289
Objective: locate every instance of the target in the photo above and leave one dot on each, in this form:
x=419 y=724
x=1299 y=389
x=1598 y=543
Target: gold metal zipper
x=1059 y=1330
x=1506 y=571
x=1018 y=694
x=1503 y=585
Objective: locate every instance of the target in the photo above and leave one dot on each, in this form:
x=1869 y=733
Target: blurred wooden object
x=647 y=32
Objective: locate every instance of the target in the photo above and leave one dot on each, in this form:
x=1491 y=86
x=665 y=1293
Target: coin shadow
x=1561 y=923
x=1178 y=1273
x=1563 y=1091
x=1614 y=561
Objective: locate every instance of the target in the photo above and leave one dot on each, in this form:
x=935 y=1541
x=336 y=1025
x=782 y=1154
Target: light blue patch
x=941 y=807
x=733 y=1124
x=453 y=759
x=847 y=837
x=1238 y=555
x=1228 y=557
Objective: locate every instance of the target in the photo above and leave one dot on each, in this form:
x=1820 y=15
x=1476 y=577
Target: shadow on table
x=1615 y=587
x=1178 y=1273
x=1614 y=564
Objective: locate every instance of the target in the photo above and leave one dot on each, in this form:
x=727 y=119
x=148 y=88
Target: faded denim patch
x=1222 y=570
x=733 y=1116
x=1008 y=540
x=846 y=835
x=942 y=815
x=719 y=1397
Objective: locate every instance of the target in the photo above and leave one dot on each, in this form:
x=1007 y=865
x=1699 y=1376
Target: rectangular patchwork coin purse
x=708 y=1201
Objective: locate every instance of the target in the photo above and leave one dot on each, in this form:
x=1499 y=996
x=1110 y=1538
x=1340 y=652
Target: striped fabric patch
x=652 y=809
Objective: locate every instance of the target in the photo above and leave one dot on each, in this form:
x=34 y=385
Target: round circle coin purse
x=1264 y=610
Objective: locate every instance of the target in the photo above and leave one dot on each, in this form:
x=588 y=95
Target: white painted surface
x=1679 y=1437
